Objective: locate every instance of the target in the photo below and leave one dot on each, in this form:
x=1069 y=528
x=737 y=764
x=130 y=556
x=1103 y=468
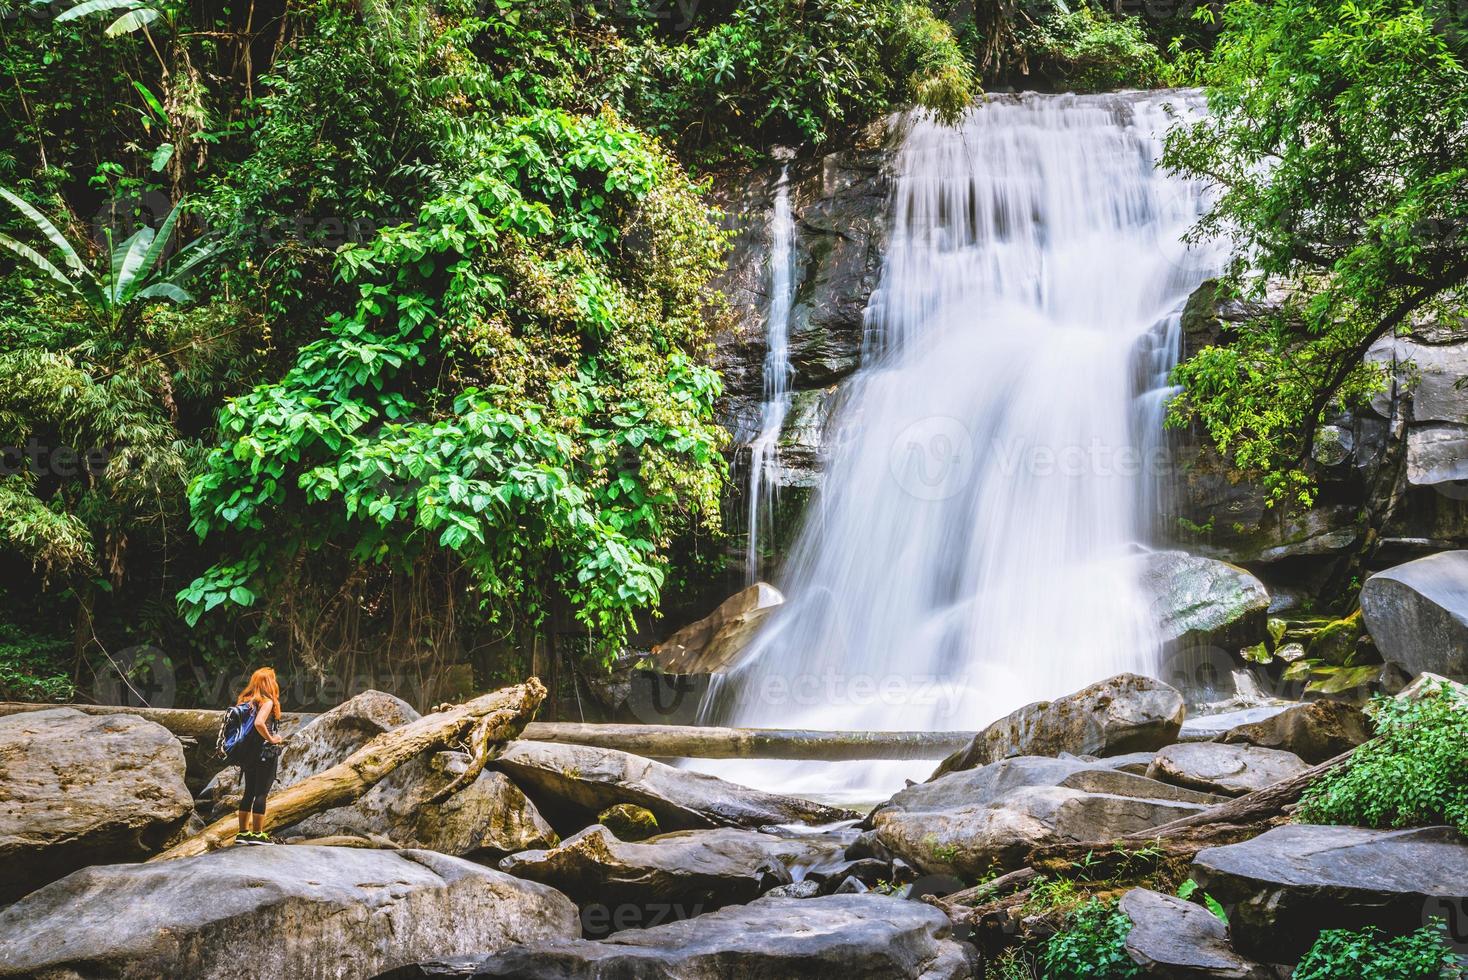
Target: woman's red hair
x=262 y=687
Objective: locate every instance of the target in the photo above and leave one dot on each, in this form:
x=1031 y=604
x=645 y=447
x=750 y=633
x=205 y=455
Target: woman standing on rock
x=260 y=755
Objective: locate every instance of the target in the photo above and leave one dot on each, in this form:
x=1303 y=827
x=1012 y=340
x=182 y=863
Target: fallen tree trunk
x=201 y=724
x=692 y=741
x=650 y=741
x=486 y=722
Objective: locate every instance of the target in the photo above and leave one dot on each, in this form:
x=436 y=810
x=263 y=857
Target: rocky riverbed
x=571 y=861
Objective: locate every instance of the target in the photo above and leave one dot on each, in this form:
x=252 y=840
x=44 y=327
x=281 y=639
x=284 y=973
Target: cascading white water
x=764 y=450
x=968 y=551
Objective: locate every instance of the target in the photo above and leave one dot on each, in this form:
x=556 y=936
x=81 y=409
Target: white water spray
x=764 y=458
x=967 y=553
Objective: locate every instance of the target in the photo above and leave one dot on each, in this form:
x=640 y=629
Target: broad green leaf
x=133 y=21
x=96 y=6
x=73 y=260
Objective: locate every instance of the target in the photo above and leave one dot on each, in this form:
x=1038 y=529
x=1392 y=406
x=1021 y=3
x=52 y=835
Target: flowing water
x=764 y=450
x=996 y=460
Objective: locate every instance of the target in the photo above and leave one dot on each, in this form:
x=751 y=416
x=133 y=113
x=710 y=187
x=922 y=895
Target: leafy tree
x=518 y=388
x=1337 y=135
x=794 y=71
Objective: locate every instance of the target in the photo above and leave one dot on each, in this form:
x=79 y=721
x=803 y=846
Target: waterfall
x=764 y=450
x=997 y=459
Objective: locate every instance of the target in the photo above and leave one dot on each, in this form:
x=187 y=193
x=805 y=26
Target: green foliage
x=795 y=70
x=1092 y=51
x=1092 y=944
x=518 y=386
x=1337 y=133
x=1340 y=954
x=31 y=667
x=135 y=271
x=1410 y=775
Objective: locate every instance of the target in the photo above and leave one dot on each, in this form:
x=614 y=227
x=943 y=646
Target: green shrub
x=1410 y=775
x=32 y=668
x=794 y=70
x=1092 y=945
x=1340 y=954
x=1090 y=51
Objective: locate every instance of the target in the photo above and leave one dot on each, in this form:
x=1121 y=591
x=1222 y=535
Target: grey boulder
x=78 y=789
x=1231 y=770
x=619 y=885
x=979 y=821
x=1182 y=941
x=1417 y=613
x=711 y=644
x=571 y=784
x=1315 y=732
x=488 y=817
x=315 y=913
x=1286 y=885
x=1123 y=714
x=1203 y=602
x=838 y=937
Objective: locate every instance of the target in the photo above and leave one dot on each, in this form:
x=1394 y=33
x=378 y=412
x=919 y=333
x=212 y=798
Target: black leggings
x=258 y=777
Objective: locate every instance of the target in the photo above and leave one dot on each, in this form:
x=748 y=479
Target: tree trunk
x=487 y=722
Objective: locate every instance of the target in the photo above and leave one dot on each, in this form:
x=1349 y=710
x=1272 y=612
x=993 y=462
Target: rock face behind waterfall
x=77 y=789
x=273 y=913
x=1418 y=613
x=840 y=937
x=489 y=816
x=1126 y=713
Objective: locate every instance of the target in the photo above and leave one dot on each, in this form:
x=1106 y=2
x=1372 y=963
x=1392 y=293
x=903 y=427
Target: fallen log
x=697 y=742
x=649 y=741
x=201 y=724
x=486 y=723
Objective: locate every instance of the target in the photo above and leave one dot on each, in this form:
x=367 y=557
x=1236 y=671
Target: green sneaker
x=250 y=837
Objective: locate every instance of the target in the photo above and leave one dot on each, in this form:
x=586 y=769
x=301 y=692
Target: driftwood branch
x=493 y=718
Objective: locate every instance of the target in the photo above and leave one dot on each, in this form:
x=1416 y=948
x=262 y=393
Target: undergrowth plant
x=1411 y=774
x=1341 y=954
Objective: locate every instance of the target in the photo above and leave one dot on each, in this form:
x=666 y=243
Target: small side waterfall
x=996 y=462
x=764 y=458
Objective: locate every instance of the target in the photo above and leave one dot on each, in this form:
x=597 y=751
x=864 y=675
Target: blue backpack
x=238 y=722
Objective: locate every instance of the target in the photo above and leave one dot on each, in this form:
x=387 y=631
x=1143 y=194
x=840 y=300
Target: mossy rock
x=629 y=822
x=1335 y=643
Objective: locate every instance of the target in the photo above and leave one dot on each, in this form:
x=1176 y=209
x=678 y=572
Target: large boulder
x=1207 y=727
x=571 y=784
x=840 y=937
x=1126 y=713
x=1417 y=613
x=272 y=912
x=489 y=817
x=714 y=642
x=1202 y=602
x=1286 y=885
x=77 y=789
x=674 y=876
x=1182 y=941
x=1231 y=770
x=1315 y=731
x=977 y=821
